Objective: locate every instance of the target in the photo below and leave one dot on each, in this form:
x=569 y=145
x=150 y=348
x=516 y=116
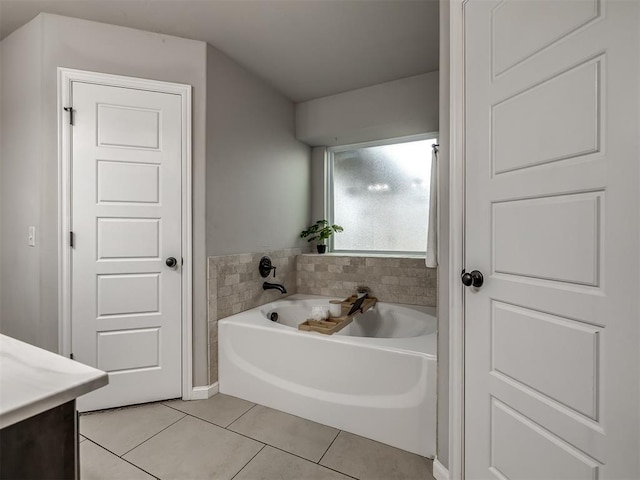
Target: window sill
x=364 y=255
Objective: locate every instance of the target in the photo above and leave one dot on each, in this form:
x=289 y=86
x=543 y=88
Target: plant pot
x=321 y=248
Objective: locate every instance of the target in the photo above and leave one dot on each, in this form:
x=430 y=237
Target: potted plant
x=319 y=232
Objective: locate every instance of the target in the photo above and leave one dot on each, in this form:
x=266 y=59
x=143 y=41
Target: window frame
x=329 y=191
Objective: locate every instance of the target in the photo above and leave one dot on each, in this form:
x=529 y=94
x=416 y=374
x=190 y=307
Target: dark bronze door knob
x=171 y=262
x=474 y=278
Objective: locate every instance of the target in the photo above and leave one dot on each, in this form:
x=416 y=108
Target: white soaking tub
x=375 y=378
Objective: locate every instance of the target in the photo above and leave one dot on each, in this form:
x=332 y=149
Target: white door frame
x=456 y=239
x=65 y=78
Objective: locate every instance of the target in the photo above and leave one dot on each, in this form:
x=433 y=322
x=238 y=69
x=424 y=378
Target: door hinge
x=72 y=240
x=71 y=356
x=181 y=261
x=70 y=110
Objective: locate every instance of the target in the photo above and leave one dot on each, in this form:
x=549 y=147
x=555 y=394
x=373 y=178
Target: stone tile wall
x=235 y=285
x=397 y=280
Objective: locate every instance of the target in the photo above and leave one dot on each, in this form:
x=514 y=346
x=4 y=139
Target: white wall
x=33 y=179
x=257 y=172
x=317 y=182
x=394 y=109
x=21 y=182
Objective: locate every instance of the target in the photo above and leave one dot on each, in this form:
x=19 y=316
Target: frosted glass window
x=380 y=195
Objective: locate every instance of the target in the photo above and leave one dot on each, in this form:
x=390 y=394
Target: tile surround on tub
x=236 y=284
x=391 y=279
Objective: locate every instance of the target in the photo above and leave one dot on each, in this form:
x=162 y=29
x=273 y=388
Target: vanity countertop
x=33 y=380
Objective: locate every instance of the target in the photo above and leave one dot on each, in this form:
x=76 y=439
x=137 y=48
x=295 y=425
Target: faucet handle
x=265 y=267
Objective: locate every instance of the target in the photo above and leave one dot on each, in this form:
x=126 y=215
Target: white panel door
x=551 y=152
x=126 y=219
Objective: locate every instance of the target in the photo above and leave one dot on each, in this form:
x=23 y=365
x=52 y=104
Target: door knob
x=171 y=262
x=474 y=278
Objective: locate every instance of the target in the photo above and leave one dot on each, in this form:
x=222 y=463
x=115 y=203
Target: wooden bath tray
x=335 y=324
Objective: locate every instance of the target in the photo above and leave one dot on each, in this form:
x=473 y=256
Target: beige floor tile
x=296 y=435
x=273 y=464
x=366 y=459
x=82 y=439
x=121 y=430
x=96 y=463
x=220 y=409
x=194 y=449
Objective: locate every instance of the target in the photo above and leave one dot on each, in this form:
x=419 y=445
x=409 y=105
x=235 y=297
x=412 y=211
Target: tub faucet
x=362 y=290
x=275 y=286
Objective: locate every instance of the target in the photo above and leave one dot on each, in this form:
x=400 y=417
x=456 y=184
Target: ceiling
x=304 y=48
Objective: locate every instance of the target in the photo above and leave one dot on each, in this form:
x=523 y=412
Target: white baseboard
x=439 y=472
x=202 y=393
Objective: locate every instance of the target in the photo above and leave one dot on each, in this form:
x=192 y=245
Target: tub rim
x=423 y=344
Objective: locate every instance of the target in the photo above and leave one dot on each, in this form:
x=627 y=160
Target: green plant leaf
x=320 y=230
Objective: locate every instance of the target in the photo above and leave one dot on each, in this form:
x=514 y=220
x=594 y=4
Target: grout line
x=227 y=427
x=178 y=410
x=139 y=468
x=209 y=421
x=332 y=442
x=250 y=460
x=125 y=407
x=238 y=433
x=331 y=468
x=273 y=446
x=215 y=424
x=173 y=408
x=338 y=471
x=144 y=441
x=123 y=459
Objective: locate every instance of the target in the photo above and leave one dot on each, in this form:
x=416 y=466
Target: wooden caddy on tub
x=335 y=324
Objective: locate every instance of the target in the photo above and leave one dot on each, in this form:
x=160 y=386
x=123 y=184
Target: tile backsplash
x=397 y=280
x=235 y=285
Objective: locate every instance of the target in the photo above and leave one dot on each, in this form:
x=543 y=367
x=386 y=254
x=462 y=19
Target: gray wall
x=67 y=42
x=258 y=174
x=21 y=203
x=443 y=243
x=402 y=107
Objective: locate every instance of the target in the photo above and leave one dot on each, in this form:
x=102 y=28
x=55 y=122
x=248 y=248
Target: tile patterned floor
x=226 y=438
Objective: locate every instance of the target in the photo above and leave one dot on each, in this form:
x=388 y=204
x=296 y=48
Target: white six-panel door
x=126 y=221
x=551 y=152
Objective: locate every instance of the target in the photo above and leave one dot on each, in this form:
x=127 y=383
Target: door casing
x=66 y=77
x=456 y=239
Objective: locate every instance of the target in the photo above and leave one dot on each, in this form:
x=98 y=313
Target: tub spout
x=276 y=286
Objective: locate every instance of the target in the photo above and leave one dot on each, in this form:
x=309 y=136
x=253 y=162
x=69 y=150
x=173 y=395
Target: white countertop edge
x=38 y=406
x=33 y=380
